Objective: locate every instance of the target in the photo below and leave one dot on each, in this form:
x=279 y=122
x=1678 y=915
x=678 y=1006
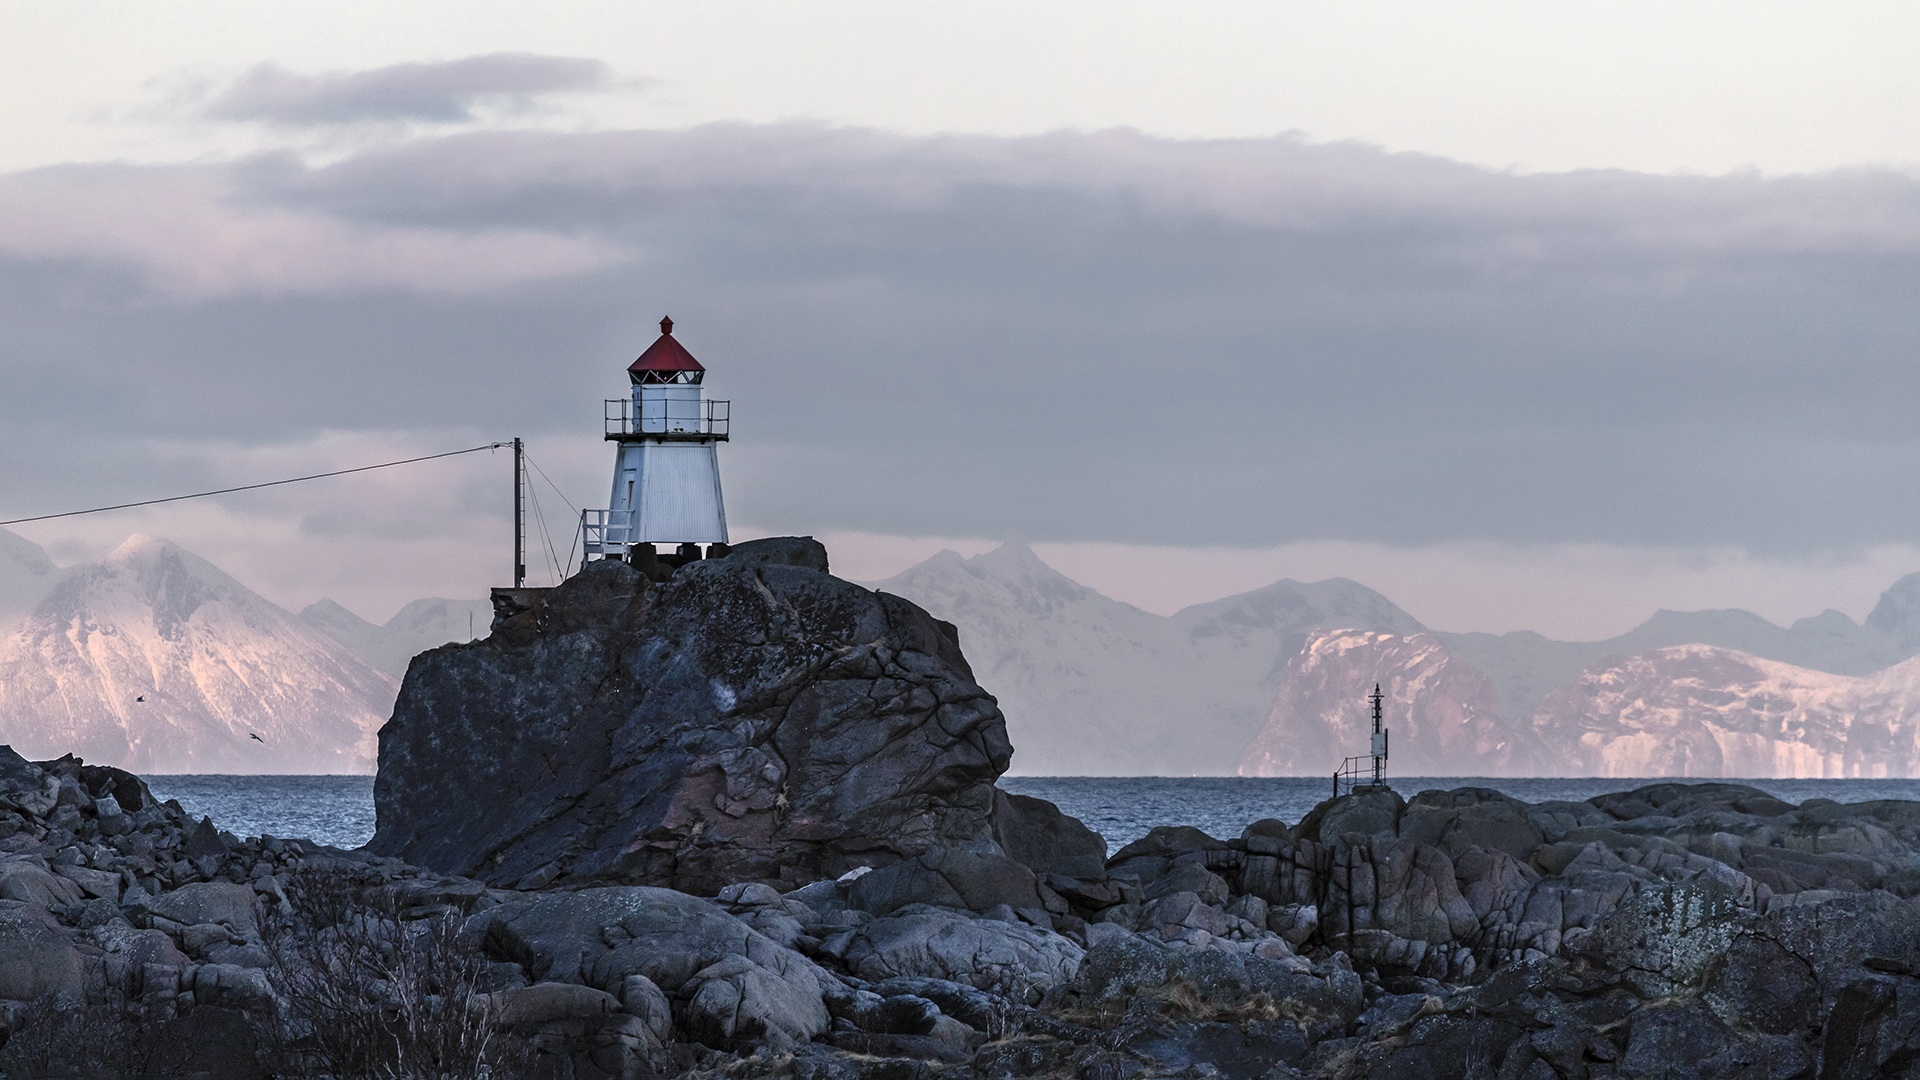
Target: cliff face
x=737 y=722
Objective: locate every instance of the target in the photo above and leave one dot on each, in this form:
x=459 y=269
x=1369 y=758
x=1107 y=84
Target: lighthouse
x=666 y=463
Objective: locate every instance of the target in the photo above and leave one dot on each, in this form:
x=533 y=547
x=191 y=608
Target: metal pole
x=519 y=517
x=1376 y=731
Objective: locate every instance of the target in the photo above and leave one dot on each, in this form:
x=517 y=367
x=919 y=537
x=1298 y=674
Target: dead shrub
x=113 y=1038
x=365 y=993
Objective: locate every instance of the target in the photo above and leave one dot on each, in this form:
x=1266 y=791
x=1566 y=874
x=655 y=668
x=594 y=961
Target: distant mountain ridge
x=415 y=628
x=1691 y=710
x=1094 y=686
x=1525 y=667
x=153 y=659
x=1264 y=682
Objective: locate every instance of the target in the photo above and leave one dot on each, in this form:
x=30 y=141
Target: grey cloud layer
x=1100 y=336
x=444 y=92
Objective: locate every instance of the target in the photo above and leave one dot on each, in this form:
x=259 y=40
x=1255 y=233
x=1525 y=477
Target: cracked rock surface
x=739 y=722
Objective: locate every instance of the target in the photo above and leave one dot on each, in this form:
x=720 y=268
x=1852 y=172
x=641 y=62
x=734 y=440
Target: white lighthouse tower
x=666 y=468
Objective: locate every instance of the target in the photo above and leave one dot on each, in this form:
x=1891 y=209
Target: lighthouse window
x=669 y=378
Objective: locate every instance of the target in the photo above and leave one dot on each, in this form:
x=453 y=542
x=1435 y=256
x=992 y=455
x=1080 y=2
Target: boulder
x=26 y=783
x=138 y=948
x=1454 y=1048
x=1763 y=986
x=1010 y=960
x=546 y=1001
x=1179 y=916
x=746 y=720
x=1150 y=856
x=1464 y=818
x=1189 y=874
x=974 y=880
x=31 y=883
x=640 y=997
x=37 y=958
x=1204 y=982
x=1167 y=841
x=205 y=842
x=1237 y=1051
x=1368 y=811
x=784 y=921
x=979 y=1009
x=1667 y=941
x=1034 y=833
x=1678 y=1040
x=803 y=551
x=230 y=985
x=232 y=906
x=738 y=987
x=100 y=884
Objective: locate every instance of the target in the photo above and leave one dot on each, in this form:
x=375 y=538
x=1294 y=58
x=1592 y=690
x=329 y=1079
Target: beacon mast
x=666 y=465
x=1353 y=770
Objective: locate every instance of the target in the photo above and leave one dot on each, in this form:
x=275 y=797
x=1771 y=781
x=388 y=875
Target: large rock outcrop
x=744 y=720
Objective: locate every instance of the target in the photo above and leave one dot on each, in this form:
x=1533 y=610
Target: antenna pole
x=520 y=518
x=1379 y=744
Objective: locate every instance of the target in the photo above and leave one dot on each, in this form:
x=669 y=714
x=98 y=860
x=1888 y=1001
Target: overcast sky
x=1526 y=317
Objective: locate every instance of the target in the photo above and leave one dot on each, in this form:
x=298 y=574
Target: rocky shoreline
x=744 y=823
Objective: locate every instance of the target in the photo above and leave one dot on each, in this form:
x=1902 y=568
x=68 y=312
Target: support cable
x=579 y=523
x=554 y=486
x=252 y=487
x=540 y=520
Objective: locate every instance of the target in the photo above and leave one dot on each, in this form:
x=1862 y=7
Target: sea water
x=338 y=810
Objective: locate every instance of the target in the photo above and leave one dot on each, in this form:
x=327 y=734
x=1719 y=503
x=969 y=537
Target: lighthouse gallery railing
x=667 y=417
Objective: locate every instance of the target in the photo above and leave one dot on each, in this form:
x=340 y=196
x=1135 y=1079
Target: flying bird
x=256 y=738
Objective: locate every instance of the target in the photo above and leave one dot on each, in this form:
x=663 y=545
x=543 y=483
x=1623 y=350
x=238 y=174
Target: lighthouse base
x=659 y=565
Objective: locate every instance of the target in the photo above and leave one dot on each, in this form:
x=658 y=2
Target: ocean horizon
x=338 y=809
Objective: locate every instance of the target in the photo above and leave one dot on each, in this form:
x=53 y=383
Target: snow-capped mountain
x=1272 y=682
x=1092 y=686
x=1526 y=667
x=152 y=659
x=1695 y=710
x=415 y=628
x=1444 y=713
x=1689 y=710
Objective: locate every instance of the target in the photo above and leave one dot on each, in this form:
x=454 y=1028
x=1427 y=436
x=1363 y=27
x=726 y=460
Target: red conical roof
x=665 y=354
